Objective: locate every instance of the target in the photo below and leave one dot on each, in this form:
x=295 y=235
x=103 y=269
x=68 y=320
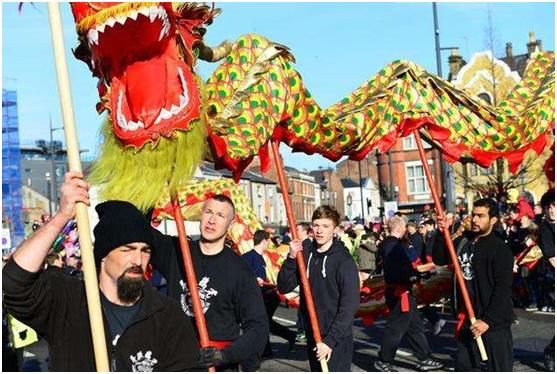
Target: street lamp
x=48 y=179
x=349 y=203
x=52 y=194
x=361 y=189
x=446 y=168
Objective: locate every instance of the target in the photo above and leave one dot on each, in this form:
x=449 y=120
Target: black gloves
x=211 y=357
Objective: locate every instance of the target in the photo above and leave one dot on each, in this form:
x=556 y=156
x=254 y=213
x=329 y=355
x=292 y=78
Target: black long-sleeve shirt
x=335 y=286
x=156 y=338
x=487 y=266
x=230 y=297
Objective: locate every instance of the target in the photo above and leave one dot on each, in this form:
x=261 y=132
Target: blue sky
x=337 y=47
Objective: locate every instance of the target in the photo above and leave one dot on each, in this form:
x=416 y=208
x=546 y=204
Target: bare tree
x=494 y=185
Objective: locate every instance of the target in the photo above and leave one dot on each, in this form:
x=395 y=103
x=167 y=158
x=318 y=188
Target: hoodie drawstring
x=309 y=263
x=323 y=269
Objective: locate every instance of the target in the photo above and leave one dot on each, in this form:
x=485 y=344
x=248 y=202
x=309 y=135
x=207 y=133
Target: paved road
x=531 y=335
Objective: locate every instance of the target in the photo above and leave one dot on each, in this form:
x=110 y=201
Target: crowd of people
x=148 y=331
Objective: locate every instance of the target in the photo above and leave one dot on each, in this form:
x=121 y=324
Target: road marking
x=376 y=346
x=546 y=313
x=284 y=320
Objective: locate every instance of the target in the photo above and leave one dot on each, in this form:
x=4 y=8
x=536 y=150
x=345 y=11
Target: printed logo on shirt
x=141 y=362
x=465 y=260
x=205 y=293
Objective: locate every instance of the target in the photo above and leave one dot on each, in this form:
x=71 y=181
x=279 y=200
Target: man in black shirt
x=547 y=245
x=487 y=267
x=255 y=260
x=404 y=320
x=146 y=331
x=231 y=300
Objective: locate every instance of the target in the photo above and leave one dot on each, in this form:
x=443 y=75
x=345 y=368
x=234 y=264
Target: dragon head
x=143 y=55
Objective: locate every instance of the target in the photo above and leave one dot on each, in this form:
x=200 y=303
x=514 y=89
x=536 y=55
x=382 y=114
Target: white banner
x=391 y=207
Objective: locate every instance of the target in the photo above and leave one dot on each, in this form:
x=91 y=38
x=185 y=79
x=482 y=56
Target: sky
x=337 y=47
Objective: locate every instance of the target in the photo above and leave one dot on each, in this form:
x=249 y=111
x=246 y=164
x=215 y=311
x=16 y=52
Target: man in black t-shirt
x=487 y=268
x=230 y=297
x=255 y=260
x=547 y=245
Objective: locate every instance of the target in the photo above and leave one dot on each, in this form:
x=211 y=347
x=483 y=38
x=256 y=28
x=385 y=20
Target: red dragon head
x=143 y=54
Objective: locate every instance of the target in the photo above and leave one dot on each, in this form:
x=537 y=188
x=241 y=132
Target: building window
x=476 y=170
x=410 y=143
x=415 y=178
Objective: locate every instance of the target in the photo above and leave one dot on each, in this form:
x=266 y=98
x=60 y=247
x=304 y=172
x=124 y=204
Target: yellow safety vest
x=22 y=335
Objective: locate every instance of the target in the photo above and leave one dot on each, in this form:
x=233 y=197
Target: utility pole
x=361 y=191
x=53 y=195
x=446 y=168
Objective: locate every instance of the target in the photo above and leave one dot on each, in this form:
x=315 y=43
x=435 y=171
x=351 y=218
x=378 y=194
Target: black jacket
x=491 y=285
x=397 y=267
x=335 y=287
x=232 y=301
x=55 y=305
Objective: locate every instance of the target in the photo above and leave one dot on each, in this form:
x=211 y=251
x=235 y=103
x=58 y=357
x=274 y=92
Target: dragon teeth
x=93 y=36
x=165 y=114
x=153 y=13
x=175 y=109
x=121 y=19
x=162 y=34
x=110 y=21
x=145 y=11
x=133 y=14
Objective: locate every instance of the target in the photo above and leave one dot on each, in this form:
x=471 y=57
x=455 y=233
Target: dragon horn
x=213 y=54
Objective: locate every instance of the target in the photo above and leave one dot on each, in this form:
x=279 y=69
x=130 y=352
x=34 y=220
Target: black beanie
x=120 y=223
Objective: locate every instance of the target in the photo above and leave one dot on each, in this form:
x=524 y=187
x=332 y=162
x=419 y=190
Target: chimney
x=456 y=62
x=509 y=50
x=531 y=42
x=539 y=44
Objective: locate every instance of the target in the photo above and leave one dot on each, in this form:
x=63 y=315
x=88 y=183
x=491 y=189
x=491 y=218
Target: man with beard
x=335 y=286
x=232 y=303
x=547 y=245
x=487 y=267
x=145 y=331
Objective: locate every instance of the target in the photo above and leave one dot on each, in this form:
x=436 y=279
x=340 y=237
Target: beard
x=129 y=289
x=480 y=231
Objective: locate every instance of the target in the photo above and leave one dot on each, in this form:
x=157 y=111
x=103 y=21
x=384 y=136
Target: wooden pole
x=299 y=257
x=191 y=277
x=449 y=243
x=82 y=218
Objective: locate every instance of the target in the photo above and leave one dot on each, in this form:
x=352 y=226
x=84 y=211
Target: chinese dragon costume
x=163 y=119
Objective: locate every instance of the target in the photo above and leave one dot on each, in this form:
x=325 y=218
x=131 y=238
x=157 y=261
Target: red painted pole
x=191 y=277
x=522 y=255
x=299 y=257
x=449 y=243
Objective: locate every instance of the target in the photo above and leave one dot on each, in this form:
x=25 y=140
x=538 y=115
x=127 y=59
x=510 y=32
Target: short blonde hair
x=396 y=222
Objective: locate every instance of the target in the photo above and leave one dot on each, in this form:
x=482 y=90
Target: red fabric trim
x=461 y=317
x=404 y=302
x=220 y=344
x=532 y=264
x=264 y=158
x=451 y=151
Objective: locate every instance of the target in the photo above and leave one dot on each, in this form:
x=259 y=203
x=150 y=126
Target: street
x=531 y=335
